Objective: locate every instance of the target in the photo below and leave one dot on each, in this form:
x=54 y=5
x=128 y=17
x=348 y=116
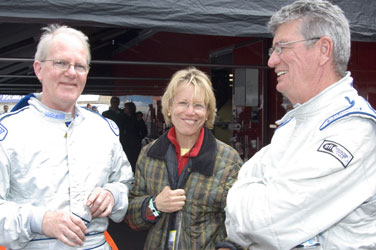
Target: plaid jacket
x=208 y=178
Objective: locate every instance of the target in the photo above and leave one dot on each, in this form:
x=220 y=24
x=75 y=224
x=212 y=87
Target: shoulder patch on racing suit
x=337 y=151
x=3 y=132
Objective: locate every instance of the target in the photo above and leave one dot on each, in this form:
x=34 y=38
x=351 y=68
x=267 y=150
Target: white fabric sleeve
x=280 y=202
x=121 y=181
x=19 y=223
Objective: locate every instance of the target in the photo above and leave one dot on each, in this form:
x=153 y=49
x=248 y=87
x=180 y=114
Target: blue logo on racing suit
x=337 y=151
x=3 y=132
x=113 y=126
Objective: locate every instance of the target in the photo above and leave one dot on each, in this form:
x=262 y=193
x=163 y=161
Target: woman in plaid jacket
x=182 y=179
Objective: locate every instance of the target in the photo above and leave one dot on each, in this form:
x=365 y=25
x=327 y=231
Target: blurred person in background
x=133 y=131
x=114 y=112
x=5 y=109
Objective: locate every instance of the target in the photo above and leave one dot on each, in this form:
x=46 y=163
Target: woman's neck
x=187 y=141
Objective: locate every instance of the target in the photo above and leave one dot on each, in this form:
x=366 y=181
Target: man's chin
x=280 y=88
x=69 y=98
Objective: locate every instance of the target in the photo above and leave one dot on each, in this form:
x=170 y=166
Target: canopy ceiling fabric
x=220 y=17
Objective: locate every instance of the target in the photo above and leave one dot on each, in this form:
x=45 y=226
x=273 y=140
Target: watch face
x=152 y=207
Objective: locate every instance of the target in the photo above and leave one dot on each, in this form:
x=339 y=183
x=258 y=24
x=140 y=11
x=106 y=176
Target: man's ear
x=326 y=49
x=37 y=69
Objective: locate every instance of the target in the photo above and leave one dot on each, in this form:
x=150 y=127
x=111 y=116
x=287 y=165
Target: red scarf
x=193 y=152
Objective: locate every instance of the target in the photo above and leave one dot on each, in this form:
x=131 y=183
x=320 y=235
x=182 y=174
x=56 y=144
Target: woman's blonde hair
x=202 y=86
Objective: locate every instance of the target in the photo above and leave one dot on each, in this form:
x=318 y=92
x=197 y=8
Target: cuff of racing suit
x=117 y=194
x=120 y=202
x=227 y=244
x=36 y=218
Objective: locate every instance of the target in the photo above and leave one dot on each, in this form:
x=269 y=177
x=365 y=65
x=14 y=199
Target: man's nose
x=273 y=60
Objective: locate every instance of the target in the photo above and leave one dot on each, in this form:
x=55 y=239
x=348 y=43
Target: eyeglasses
x=185 y=105
x=64 y=65
x=277 y=48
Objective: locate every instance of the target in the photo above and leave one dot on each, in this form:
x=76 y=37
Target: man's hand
x=64 y=226
x=101 y=202
x=170 y=201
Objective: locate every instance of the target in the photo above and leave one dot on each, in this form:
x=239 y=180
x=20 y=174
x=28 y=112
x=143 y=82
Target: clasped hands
x=69 y=228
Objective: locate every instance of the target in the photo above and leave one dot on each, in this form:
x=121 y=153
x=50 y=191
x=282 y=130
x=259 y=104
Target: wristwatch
x=153 y=206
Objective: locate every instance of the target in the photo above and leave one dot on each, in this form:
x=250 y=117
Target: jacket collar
x=203 y=163
x=316 y=104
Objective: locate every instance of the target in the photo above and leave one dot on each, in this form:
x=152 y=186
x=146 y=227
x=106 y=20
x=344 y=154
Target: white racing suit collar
x=319 y=101
x=52 y=114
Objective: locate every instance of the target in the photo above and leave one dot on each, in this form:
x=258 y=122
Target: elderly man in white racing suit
x=62 y=168
x=314 y=185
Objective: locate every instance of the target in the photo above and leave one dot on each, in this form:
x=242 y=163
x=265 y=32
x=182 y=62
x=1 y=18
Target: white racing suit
x=316 y=177
x=49 y=162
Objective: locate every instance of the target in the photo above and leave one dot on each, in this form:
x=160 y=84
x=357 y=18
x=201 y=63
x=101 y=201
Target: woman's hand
x=169 y=201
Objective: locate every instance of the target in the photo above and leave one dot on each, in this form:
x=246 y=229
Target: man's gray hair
x=319 y=18
x=47 y=37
